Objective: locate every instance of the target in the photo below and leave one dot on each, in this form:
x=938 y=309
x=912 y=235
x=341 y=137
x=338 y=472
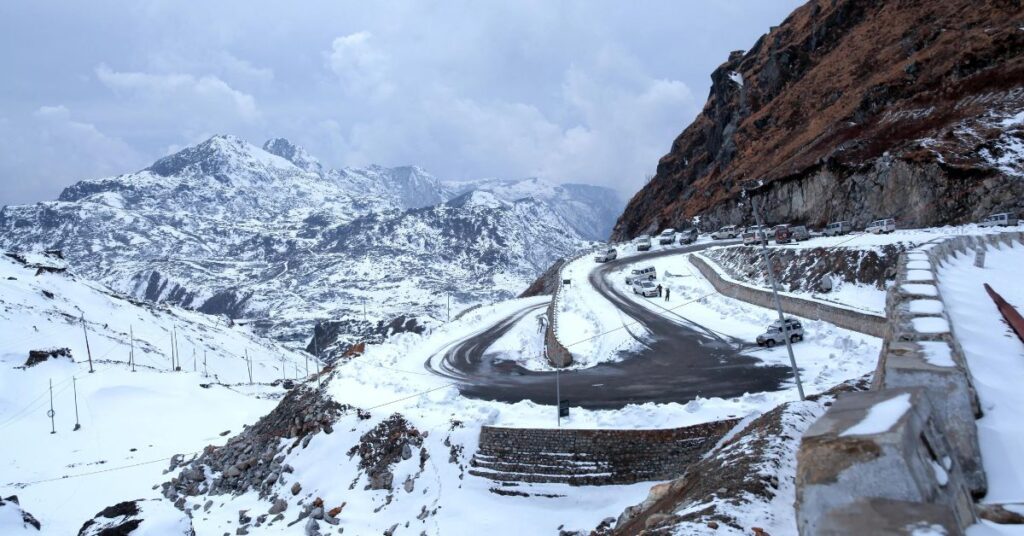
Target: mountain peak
x=293 y=153
x=220 y=157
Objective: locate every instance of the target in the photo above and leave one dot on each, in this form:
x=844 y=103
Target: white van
x=1004 y=219
x=647 y=272
x=606 y=255
x=729 y=231
x=837 y=228
x=885 y=226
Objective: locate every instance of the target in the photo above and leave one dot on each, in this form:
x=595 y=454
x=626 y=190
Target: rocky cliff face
x=855 y=109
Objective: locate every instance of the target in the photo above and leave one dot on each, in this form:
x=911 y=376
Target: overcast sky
x=584 y=91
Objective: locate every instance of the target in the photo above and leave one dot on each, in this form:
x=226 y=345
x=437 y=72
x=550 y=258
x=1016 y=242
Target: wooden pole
x=74 y=386
x=131 y=355
x=87 y=349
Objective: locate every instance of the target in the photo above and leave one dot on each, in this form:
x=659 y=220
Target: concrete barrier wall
x=593 y=457
x=558 y=354
x=845 y=318
x=840 y=473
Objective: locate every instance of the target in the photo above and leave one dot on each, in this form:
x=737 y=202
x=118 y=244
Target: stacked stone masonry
x=925 y=466
x=592 y=457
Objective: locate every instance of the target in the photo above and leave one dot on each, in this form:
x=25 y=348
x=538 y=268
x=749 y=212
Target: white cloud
x=51 y=149
x=360 y=66
x=183 y=88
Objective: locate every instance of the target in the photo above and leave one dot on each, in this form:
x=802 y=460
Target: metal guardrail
x=1010 y=314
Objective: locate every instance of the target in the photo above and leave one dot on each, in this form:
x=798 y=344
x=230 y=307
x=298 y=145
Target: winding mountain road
x=680 y=360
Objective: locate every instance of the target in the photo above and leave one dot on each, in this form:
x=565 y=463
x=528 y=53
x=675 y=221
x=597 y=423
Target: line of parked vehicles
x=782 y=234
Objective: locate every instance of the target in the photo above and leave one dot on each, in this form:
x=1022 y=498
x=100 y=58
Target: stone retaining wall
x=845 y=318
x=592 y=457
x=926 y=465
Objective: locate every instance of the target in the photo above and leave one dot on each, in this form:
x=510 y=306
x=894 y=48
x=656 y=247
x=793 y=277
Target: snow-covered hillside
x=225 y=227
x=132 y=422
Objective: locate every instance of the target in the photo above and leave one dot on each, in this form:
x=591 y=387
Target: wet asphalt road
x=678 y=362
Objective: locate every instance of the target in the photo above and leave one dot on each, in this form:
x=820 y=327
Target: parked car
x=668 y=236
x=775 y=334
x=645 y=273
x=645 y=288
x=838 y=228
x=688 y=236
x=729 y=231
x=606 y=255
x=800 y=233
x=755 y=236
x=783 y=235
x=1003 y=219
x=643 y=242
x=885 y=226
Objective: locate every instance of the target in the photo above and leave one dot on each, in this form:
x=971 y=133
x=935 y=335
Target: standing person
x=667 y=292
x=659 y=290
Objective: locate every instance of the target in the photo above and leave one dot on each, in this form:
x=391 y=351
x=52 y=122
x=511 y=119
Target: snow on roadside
x=995 y=357
x=589 y=325
x=127 y=417
x=828 y=355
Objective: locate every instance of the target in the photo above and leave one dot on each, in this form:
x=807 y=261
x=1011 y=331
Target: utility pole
x=87 y=349
x=51 y=413
x=204 y=364
x=74 y=386
x=778 y=303
x=316 y=348
x=131 y=355
x=177 y=351
x=172 y=353
x=283 y=378
x=307 y=364
x=194 y=367
x=248 y=365
x=558 y=398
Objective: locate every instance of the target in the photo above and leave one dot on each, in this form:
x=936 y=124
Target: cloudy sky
x=572 y=91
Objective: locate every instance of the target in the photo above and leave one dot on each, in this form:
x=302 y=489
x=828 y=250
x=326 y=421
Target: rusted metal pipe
x=1013 y=318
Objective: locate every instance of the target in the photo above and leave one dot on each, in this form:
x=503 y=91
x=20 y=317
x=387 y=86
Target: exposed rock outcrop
x=854 y=109
x=141 y=516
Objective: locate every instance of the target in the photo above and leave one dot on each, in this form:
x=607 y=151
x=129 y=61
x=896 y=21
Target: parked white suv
x=643 y=242
x=645 y=288
x=642 y=274
x=606 y=255
x=1004 y=219
x=885 y=226
x=729 y=231
x=668 y=236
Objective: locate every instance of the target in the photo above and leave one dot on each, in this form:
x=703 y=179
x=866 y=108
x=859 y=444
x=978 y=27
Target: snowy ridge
x=226 y=227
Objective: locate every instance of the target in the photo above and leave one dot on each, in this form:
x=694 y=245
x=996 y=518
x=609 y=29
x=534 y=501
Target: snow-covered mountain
x=590 y=210
x=226 y=227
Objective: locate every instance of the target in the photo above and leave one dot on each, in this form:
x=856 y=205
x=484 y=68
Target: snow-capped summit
x=294 y=154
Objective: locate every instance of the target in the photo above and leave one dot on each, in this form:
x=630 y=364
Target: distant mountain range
x=268 y=234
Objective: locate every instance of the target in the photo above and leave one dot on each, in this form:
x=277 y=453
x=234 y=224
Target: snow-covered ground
x=132 y=422
x=588 y=324
x=828 y=355
x=996 y=360
x=862 y=240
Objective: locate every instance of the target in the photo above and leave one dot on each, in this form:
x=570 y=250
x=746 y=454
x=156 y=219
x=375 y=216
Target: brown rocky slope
x=855 y=109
